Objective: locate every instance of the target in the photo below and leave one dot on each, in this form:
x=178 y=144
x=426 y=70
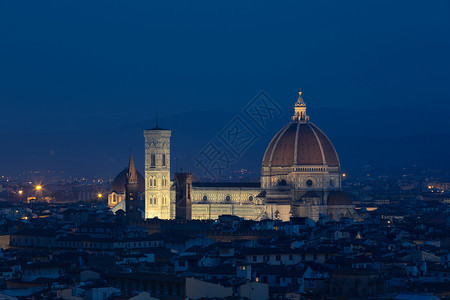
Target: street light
x=38 y=192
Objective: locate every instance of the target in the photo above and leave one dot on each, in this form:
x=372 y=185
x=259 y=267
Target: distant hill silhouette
x=100 y=147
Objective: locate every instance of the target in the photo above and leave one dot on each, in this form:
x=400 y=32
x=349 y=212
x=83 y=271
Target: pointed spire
x=300 y=101
x=132 y=174
x=300 y=110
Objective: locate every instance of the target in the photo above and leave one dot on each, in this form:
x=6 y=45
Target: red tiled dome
x=300 y=143
x=118 y=184
x=339 y=198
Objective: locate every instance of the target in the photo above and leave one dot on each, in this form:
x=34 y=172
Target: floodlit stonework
x=300 y=172
x=300 y=176
x=157 y=173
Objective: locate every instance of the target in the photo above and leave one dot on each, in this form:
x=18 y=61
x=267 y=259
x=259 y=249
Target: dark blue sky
x=75 y=64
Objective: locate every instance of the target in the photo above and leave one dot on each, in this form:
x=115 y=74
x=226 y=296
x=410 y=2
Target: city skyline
x=224 y=150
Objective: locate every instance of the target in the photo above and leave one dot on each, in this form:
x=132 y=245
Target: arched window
x=155 y=201
x=164 y=160
x=152 y=160
x=154 y=182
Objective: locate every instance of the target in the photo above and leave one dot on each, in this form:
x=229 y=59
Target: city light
x=20 y=192
x=99 y=195
x=38 y=187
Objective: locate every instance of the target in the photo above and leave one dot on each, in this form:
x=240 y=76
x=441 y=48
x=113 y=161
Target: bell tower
x=157 y=173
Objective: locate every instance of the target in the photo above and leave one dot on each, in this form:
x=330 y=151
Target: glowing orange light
x=38 y=187
x=343 y=175
x=20 y=192
x=99 y=195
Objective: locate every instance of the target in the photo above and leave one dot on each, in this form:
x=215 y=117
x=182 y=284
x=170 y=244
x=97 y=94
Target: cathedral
x=300 y=177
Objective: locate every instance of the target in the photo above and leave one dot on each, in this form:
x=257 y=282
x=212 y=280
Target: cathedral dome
x=118 y=184
x=339 y=198
x=300 y=143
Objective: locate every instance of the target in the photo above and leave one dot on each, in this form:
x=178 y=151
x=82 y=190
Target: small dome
x=118 y=184
x=339 y=198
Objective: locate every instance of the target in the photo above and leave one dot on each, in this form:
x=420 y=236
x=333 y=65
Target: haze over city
x=77 y=78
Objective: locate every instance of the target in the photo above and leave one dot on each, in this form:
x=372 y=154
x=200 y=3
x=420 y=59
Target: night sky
x=78 y=67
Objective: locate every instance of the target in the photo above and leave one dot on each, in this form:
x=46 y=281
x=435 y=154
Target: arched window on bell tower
x=153 y=160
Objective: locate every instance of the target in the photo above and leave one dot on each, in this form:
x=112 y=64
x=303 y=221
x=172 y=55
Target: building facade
x=300 y=177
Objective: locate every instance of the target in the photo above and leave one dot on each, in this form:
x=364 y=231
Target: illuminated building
x=157 y=173
x=300 y=176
